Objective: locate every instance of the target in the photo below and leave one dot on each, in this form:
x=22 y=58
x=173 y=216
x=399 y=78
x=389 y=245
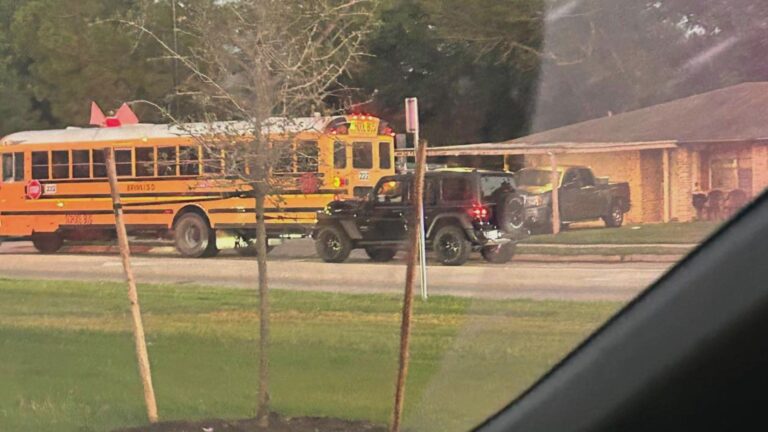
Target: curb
x=521 y=257
x=599 y=258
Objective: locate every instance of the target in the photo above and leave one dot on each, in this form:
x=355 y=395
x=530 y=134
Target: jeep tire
x=500 y=254
x=511 y=212
x=451 y=246
x=332 y=244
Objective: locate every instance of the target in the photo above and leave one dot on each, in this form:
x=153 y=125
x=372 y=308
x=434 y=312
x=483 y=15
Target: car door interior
x=690 y=353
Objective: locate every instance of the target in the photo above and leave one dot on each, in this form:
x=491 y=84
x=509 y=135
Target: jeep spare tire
x=510 y=212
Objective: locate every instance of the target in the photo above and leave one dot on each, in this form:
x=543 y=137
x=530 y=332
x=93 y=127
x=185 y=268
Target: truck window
x=391 y=192
x=587 y=178
x=571 y=178
x=491 y=184
x=456 y=189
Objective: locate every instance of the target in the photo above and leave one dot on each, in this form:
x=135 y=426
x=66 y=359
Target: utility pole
x=410 y=278
x=412 y=126
x=175 y=65
x=133 y=295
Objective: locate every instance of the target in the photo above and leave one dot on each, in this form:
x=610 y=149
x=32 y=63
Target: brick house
x=715 y=141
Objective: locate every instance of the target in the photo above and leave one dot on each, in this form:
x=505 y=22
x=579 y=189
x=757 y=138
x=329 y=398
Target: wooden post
x=410 y=278
x=665 y=182
x=555 y=194
x=133 y=295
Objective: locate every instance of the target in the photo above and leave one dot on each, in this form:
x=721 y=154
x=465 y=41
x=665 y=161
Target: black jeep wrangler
x=465 y=210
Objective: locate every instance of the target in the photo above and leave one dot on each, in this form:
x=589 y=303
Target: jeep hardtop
x=465 y=210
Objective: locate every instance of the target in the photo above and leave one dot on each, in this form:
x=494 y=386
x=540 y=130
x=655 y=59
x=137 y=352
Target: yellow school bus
x=53 y=185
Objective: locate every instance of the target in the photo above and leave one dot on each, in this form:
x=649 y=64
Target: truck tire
x=380 y=254
x=500 y=254
x=47 y=243
x=193 y=237
x=616 y=216
x=510 y=212
x=451 y=246
x=332 y=244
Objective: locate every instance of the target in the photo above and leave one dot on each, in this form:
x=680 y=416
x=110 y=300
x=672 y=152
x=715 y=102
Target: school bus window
x=145 y=162
x=212 y=161
x=362 y=155
x=283 y=157
x=306 y=156
x=124 y=162
x=60 y=164
x=13 y=167
x=189 y=159
x=385 y=156
x=8 y=167
x=40 y=166
x=339 y=155
x=99 y=165
x=166 y=161
x=81 y=164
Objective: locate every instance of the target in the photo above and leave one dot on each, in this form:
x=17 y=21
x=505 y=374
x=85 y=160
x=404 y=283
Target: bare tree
x=252 y=61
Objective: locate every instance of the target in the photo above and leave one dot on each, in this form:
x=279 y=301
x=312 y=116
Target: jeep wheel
x=616 y=218
x=500 y=254
x=380 y=254
x=333 y=244
x=451 y=246
x=511 y=213
x=194 y=238
x=47 y=243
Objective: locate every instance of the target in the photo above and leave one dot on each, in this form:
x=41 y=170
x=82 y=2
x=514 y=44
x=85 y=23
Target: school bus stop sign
x=34 y=190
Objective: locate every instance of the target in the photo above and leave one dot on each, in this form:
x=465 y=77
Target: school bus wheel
x=194 y=237
x=47 y=242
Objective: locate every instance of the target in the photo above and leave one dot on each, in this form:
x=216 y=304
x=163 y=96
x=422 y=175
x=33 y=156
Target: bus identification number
x=141 y=187
x=78 y=219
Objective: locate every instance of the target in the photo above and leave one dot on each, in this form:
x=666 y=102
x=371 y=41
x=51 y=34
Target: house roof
x=736 y=113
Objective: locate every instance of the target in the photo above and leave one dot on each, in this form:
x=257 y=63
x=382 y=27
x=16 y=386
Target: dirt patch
x=277 y=423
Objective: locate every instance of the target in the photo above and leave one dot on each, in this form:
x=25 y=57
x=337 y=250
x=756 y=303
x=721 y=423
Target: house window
x=725 y=174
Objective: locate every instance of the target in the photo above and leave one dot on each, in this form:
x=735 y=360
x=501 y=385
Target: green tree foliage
x=69 y=55
x=465 y=96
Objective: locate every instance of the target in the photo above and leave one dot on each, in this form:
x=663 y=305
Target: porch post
x=555 y=194
x=666 y=176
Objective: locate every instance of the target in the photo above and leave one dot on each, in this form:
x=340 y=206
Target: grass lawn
x=67 y=359
x=690 y=232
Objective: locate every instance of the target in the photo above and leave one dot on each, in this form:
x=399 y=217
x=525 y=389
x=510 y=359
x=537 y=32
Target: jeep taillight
x=479 y=213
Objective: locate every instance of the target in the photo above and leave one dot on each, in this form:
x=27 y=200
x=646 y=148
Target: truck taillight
x=479 y=212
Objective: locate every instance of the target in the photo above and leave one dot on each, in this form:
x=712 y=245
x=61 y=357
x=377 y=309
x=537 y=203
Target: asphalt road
x=294 y=266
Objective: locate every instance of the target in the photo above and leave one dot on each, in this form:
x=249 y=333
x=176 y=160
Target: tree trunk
x=261 y=258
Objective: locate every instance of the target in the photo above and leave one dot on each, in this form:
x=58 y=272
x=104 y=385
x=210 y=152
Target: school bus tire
x=47 y=243
x=194 y=237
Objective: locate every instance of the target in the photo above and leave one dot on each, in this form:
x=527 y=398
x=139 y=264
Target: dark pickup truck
x=582 y=197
